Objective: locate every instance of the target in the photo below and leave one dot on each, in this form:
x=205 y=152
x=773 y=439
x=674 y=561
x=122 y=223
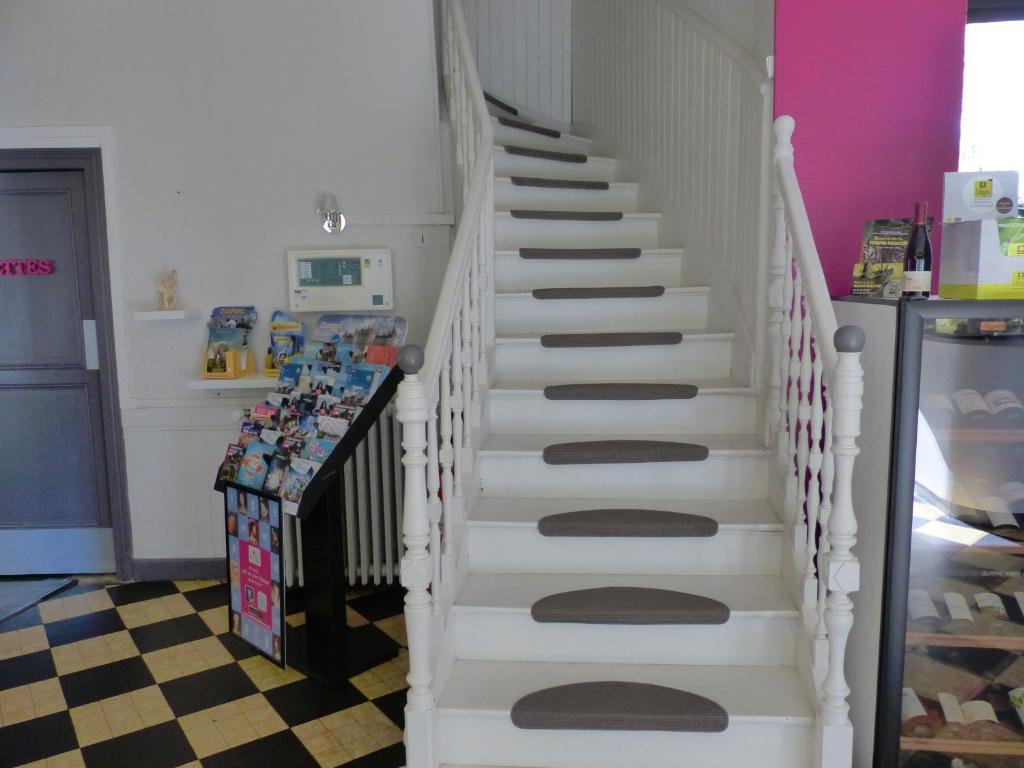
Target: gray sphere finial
x=410 y=358
x=849 y=338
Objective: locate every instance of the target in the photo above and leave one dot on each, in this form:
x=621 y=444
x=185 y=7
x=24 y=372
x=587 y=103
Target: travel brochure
x=321 y=389
x=227 y=345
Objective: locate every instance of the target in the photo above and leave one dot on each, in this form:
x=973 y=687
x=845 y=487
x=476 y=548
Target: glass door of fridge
x=957 y=563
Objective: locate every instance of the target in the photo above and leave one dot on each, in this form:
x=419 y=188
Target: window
x=991 y=133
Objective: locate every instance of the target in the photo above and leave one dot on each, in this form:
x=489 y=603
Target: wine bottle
x=914 y=718
x=1006 y=408
x=974 y=411
x=917 y=261
x=938 y=410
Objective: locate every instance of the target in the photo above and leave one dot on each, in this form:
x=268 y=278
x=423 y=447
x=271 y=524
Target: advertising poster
x=254 y=538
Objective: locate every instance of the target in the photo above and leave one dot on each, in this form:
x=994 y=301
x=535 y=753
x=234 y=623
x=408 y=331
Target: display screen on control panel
x=329 y=272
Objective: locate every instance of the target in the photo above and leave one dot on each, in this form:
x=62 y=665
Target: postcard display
x=951 y=684
x=284 y=450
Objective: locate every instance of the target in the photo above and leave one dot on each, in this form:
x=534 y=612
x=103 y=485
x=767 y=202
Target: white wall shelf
x=255 y=381
x=168 y=314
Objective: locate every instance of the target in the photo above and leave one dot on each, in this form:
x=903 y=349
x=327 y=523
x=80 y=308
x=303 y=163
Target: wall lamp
x=333 y=219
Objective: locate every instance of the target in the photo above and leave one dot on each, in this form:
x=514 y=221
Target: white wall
x=689 y=109
x=227 y=120
x=523 y=51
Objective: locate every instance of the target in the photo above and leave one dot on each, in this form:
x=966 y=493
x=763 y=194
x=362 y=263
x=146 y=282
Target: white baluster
x=434 y=504
x=777 y=279
x=474 y=319
x=784 y=150
x=803 y=439
x=488 y=237
x=813 y=503
x=467 y=374
x=457 y=409
x=411 y=404
x=794 y=515
x=835 y=733
x=820 y=654
x=447 y=459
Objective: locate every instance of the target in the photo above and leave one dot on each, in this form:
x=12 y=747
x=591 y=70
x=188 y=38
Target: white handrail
x=439 y=401
x=815 y=288
x=814 y=399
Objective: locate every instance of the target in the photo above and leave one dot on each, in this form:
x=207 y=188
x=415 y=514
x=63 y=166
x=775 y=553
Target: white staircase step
x=508 y=164
x=770 y=719
x=493 y=621
x=653 y=267
x=636 y=230
x=698 y=355
x=523 y=409
x=567 y=142
x=620 y=196
x=682 y=308
x=503 y=536
x=736 y=468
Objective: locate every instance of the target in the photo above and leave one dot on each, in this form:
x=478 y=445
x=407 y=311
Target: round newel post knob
x=849 y=338
x=410 y=358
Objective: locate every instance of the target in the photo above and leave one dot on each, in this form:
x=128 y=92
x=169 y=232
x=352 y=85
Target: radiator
x=372 y=507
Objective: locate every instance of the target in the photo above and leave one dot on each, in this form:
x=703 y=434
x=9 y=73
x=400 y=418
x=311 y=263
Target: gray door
x=55 y=494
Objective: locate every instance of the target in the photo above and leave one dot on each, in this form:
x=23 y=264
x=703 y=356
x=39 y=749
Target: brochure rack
x=325 y=646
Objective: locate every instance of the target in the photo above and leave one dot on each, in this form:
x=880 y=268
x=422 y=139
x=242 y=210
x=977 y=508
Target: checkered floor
x=146 y=674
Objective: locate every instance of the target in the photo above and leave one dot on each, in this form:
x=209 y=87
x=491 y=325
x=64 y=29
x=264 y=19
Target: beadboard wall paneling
x=523 y=51
x=691 y=108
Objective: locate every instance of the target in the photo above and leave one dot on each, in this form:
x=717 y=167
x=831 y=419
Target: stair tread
x=622 y=450
x=639 y=216
x=612 y=185
x=529 y=338
x=745 y=595
x=704 y=386
x=500 y=104
x=546 y=155
x=572 y=294
x=730 y=514
x=519 y=125
x=723 y=444
x=677 y=290
x=548 y=214
x=577 y=185
x=615 y=705
x=746 y=693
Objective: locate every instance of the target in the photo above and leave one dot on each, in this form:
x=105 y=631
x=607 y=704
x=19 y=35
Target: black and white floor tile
x=112 y=676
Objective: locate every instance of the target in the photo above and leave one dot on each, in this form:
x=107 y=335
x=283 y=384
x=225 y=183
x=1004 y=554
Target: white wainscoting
x=523 y=51
x=692 y=109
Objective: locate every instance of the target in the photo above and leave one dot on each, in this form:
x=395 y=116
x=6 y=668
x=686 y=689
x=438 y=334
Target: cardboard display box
x=982 y=260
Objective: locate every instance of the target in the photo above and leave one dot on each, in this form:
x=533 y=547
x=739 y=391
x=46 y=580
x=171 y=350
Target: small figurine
x=167 y=290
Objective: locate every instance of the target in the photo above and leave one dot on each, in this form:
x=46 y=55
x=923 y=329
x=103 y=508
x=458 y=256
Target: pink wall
x=875 y=89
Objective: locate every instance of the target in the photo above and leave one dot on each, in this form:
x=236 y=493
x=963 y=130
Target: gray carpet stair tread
x=620 y=391
x=625 y=292
x=500 y=104
x=651 y=523
x=567 y=215
x=539 y=129
x=614 y=339
x=579 y=253
x=530 y=181
x=623 y=452
x=628 y=605
x=618 y=706
x=547 y=154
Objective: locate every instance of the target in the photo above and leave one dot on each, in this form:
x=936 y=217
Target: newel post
x=412 y=406
x=842 y=570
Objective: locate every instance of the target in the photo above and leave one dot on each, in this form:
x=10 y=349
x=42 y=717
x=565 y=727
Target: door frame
x=69 y=152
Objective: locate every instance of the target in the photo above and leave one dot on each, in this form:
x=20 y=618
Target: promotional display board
x=255 y=535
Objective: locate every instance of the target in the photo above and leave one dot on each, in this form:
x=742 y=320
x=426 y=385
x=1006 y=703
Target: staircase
x=603 y=567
